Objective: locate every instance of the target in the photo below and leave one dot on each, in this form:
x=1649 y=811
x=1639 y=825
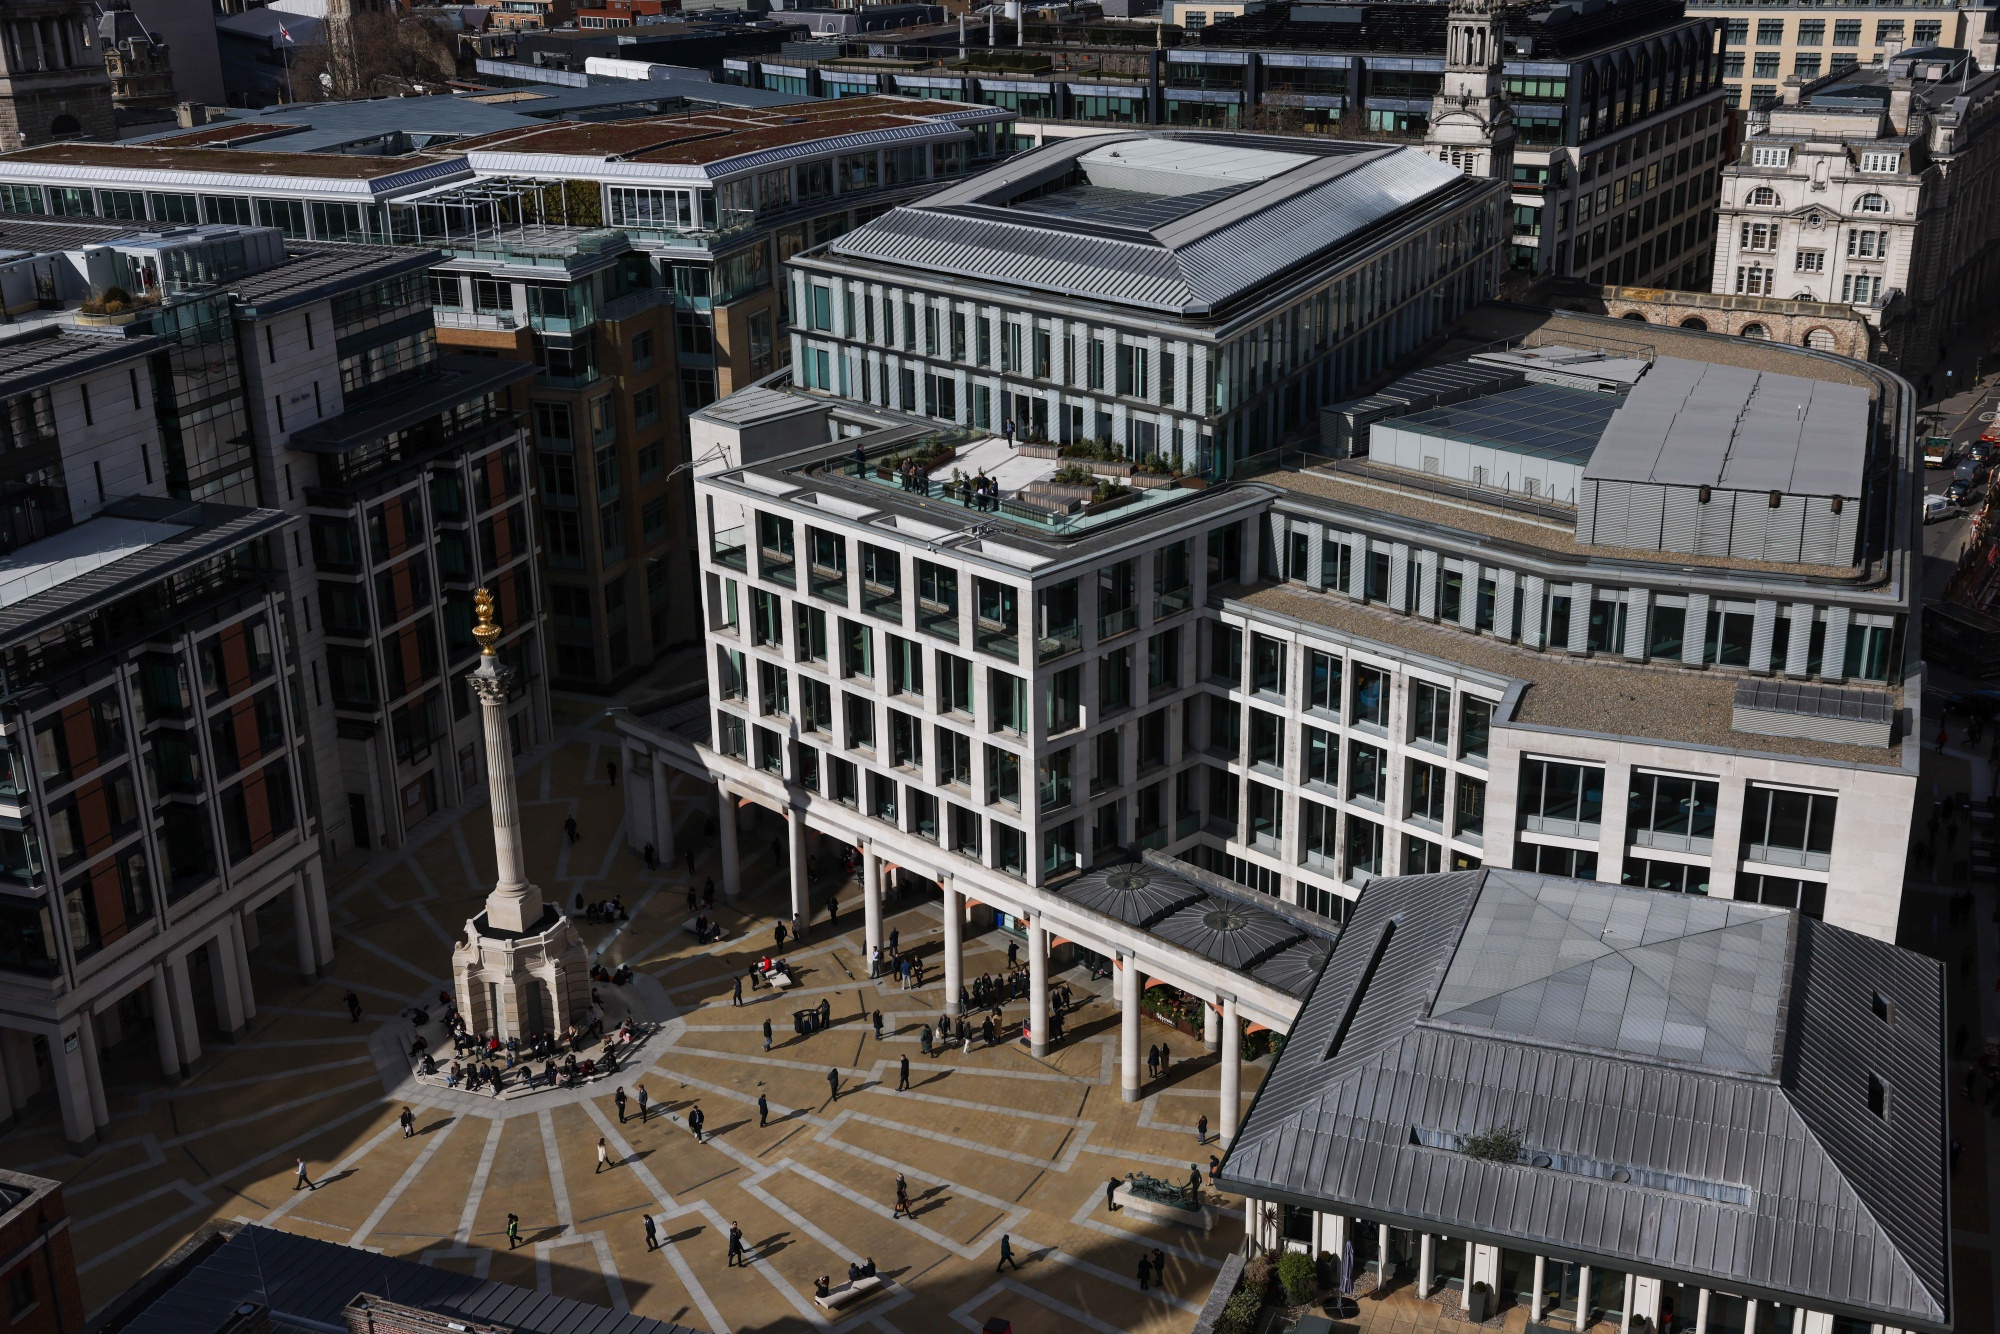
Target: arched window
x=1695 y=322
x=1764 y=197
x=65 y=125
x=1633 y=315
x=1872 y=204
x=1820 y=340
x=1753 y=331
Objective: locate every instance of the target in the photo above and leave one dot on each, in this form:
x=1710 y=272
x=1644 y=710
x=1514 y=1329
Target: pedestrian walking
x=1111 y=1195
x=1153 y=1060
x=739 y=991
x=832 y=910
x=1159 y=1267
x=651 y=858
x=778 y=934
x=875 y=961
x=687 y=857
x=569 y=829
x=767 y=1035
x=696 y=1120
x=736 y=1245
x=409 y=1120
x=927 y=1040
x=833 y=1083
x=895 y=934
x=763 y=1110
x=1201 y=1128
x=619 y=1098
x=603 y=1155
x=903 y=1075
x=1145 y=1272
x=513 y=1231
x=708 y=893
x=353 y=1008
x=902 y=1197
x=878 y=1025
x=303 y=1180
x=611 y=772
x=1006 y=1254
x=652 y=1234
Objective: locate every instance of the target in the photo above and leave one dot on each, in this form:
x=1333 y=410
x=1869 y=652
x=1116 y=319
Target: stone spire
x=1472 y=126
x=515 y=905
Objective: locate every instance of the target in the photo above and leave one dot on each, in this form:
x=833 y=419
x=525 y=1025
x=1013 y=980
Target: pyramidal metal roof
x=1690 y=1080
x=1258 y=222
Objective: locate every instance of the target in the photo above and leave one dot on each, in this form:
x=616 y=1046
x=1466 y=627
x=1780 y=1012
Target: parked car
x=1959 y=491
x=1937 y=508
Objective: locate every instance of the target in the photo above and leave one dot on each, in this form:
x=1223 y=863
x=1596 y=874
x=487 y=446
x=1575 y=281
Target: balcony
x=1187 y=826
x=481 y=320
x=1058 y=642
x=1772 y=855
x=1546 y=824
x=731 y=550
x=777 y=566
x=936 y=618
x=1114 y=623
x=1000 y=640
x=1653 y=838
x=1172 y=602
x=883 y=601
x=828 y=584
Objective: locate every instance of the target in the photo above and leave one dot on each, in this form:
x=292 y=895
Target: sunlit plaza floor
x=992 y=1141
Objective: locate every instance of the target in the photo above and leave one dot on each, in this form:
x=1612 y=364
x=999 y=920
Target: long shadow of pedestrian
x=546 y=1234
x=337 y=1176
x=437 y=1125
x=724 y=1129
x=1187 y=1069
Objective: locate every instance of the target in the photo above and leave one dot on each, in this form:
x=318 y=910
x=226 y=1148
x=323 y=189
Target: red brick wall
x=45 y=1274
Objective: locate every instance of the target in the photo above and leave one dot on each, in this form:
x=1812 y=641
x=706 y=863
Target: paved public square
x=993 y=1141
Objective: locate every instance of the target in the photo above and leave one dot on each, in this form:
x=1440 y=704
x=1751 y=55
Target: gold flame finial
x=487 y=632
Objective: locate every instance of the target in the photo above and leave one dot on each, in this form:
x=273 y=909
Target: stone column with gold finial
x=520 y=969
x=514 y=904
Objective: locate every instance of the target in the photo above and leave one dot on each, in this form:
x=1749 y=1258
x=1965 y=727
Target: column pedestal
x=954 y=948
x=1038 y=985
x=1232 y=1072
x=663 y=813
x=871 y=899
x=801 y=886
x=1128 y=1028
x=73 y=1087
x=1211 y=1029
x=163 y=1026
x=725 y=833
x=228 y=985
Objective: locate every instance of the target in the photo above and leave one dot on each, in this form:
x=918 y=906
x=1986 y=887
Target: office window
x=1812 y=32
x=1770 y=32
x=1847 y=32
x=1561 y=798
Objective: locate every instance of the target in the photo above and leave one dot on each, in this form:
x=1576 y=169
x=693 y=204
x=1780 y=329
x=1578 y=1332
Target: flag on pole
x=285 y=33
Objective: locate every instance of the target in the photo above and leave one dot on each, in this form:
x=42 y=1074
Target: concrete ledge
x=1199 y=1220
x=849 y=1293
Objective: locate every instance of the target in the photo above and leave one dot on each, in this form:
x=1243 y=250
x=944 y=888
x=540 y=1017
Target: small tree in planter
x=1298 y=1278
x=1479 y=1302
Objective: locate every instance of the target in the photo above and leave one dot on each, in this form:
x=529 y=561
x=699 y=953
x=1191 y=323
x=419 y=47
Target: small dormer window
x=1881 y=163
x=1771 y=157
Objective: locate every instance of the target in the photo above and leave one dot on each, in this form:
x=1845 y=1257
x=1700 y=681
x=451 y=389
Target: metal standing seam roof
x=307 y=1283
x=1690 y=423
x=1192 y=264
x=1778 y=1183
x=1540 y=420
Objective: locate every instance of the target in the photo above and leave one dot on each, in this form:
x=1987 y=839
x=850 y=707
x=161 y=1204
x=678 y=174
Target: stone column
x=322 y=923
x=725 y=833
x=801 y=887
x=163 y=1025
x=93 y=1074
x=228 y=984
x=954 y=945
x=663 y=812
x=1535 y=1301
x=1381 y=1257
x=1426 y=1263
x=514 y=905
x=1128 y=1028
x=242 y=958
x=1038 y=985
x=302 y=929
x=1583 y=1299
x=181 y=988
x=66 y=1055
x=1232 y=1072
x=1211 y=1029
x=871 y=898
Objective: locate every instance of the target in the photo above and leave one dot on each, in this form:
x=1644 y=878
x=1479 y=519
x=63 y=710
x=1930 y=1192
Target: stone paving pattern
x=992 y=1141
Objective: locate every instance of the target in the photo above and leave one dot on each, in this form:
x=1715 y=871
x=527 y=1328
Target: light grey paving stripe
x=464 y=849
x=614 y=1286
x=199 y=1203
x=1085 y=1217
x=756 y=1058
x=910 y=1170
x=1062 y=1257
x=362 y=988
x=423 y=913
x=268 y=1044
x=404 y=1182
x=270 y=1077
x=281 y=1150
x=960 y=1142
x=1016 y=1113
x=755 y=1187
x=154 y=1158
x=478 y=1191
x=561 y=1187
x=778 y=1109
x=397 y=959
x=671 y=1208
x=963 y=1315
x=175 y=1187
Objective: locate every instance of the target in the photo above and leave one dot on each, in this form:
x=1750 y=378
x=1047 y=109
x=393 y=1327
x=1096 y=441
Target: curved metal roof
x=1134 y=894
x=1235 y=934
x=1193 y=263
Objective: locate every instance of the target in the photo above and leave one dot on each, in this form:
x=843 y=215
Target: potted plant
x=1479 y=1301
